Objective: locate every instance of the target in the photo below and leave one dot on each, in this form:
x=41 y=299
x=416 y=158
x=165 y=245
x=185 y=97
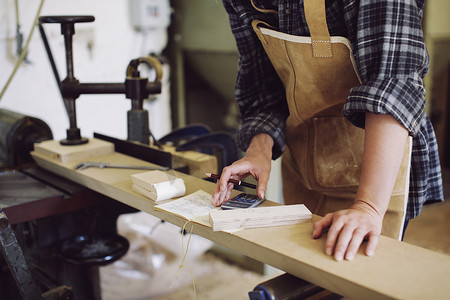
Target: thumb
x=262 y=185
x=261 y=191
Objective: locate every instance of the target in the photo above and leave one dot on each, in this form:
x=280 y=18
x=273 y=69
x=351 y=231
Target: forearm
x=261 y=143
x=385 y=141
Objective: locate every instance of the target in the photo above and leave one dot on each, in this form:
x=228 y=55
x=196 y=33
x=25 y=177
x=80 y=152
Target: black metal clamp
x=135 y=87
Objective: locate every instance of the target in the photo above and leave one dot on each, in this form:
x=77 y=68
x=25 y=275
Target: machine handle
x=150 y=61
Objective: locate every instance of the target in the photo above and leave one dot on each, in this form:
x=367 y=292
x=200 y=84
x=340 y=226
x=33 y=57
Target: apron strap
x=271 y=11
x=317 y=23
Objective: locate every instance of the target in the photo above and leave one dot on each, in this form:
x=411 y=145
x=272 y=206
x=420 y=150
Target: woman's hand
x=257 y=162
x=347 y=229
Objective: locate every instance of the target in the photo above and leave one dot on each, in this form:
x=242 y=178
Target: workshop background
x=193 y=39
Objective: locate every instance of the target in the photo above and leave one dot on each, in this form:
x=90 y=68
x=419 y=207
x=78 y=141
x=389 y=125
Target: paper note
x=190 y=207
x=259 y=217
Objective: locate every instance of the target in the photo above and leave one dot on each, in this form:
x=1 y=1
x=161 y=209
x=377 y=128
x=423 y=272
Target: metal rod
x=71 y=111
x=69 y=55
x=50 y=57
x=102 y=88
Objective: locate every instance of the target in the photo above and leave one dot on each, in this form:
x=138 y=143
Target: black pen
x=234 y=181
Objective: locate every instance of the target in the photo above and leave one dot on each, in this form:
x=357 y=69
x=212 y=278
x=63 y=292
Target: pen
x=234 y=181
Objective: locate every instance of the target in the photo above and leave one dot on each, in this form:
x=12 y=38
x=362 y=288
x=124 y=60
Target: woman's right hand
x=257 y=162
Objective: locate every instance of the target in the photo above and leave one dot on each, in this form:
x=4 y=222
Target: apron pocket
x=336 y=155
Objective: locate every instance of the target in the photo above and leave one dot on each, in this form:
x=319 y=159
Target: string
x=184 y=256
x=24 y=50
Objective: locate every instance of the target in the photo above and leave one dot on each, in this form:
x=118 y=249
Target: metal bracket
x=10 y=248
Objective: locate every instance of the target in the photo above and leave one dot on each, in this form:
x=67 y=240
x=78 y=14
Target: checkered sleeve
x=426 y=179
x=259 y=91
x=392 y=60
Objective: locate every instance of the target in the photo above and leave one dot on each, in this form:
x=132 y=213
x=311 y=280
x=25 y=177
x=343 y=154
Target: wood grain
x=54 y=150
x=397 y=270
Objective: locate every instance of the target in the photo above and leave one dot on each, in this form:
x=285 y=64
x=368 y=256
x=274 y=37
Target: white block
x=158 y=185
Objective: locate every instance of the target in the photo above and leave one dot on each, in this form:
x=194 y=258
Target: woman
x=311 y=73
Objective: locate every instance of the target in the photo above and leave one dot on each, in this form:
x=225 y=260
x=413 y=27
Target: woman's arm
x=259 y=92
x=262 y=103
x=385 y=141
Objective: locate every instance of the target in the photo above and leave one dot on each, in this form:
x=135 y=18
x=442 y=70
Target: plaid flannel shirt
x=391 y=58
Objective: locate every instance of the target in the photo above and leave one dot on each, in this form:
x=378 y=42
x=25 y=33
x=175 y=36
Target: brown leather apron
x=322 y=162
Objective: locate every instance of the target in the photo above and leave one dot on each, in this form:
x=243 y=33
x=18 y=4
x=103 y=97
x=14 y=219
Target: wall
x=437 y=38
x=201 y=44
x=102 y=51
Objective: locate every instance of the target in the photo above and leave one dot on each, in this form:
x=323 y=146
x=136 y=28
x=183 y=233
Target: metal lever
x=135 y=87
x=68 y=30
x=103 y=165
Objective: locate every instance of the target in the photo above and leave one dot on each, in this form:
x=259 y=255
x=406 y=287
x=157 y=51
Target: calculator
x=243 y=200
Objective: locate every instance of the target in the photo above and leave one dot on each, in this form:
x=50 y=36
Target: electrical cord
x=24 y=50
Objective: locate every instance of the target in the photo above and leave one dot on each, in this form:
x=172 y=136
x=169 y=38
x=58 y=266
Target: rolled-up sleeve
x=392 y=59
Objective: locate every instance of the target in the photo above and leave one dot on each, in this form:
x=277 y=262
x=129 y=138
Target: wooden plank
x=198 y=163
x=54 y=150
x=397 y=270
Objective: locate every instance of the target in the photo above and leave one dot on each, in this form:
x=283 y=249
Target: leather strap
x=271 y=11
x=255 y=25
x=317 y=23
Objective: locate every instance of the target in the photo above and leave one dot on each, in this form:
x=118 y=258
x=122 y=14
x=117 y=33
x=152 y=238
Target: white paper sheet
x=193 y=207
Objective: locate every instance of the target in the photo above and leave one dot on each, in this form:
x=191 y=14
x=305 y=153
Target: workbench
x=397 y=270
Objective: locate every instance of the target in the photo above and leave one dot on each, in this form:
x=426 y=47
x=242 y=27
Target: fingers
x=345 y=240
x=372 y=244
x=333 y=235
x=346 y=233
x=256 y=166
x=321 y=225
x=355 y=243
x=230 y=187
x=224 y=187
x=221 y=195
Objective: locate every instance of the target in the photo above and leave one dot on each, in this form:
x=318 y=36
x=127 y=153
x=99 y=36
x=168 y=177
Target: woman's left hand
x=348 y=228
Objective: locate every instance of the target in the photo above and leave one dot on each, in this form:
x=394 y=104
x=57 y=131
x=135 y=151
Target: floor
x=431 y=229
x=149 y=270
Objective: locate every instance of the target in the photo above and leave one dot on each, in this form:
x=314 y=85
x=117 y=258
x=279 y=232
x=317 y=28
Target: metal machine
x=55 y=234
x=135 y=87
x=289 y=287
x=45 y=221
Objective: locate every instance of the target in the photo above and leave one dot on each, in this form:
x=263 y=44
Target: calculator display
x=242 y=200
